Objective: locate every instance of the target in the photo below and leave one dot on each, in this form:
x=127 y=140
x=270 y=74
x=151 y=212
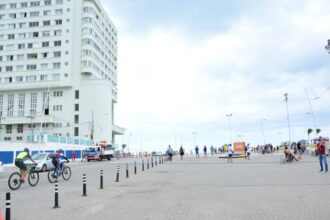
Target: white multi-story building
x=58 y=70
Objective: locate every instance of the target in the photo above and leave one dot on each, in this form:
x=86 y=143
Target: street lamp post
x=287 y=112
x=311 y=109
x=229 y=117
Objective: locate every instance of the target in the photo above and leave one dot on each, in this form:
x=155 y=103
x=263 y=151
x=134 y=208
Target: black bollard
x=155 y=161
x=160 y=161
x=127 y=171
x=56 y=195
x=101 y=179
x=152 y=162
x=148 y=164
x=84 y=185
x=142 y=165
x=8 y=206
x=117 y=176
x=135 y=167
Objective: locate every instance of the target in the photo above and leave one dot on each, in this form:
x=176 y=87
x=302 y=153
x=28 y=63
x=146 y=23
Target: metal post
x=117 y=176
x=152 y=162
x=101 y=179
x=288 y=116
x=142 y=165
x=84 y=185
x=135 y=172
x=127 y=171
x=160 y=161
x=148 y=164
x=155 y=161
x=8 y=206
x=56 y=195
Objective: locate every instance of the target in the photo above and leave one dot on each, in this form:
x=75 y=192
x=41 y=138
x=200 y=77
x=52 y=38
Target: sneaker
x=53 y=175
x=321 y=170
x=22 y=181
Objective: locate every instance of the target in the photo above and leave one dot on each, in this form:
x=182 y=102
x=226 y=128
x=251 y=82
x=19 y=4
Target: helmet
x=59 y=151
x=27 y=150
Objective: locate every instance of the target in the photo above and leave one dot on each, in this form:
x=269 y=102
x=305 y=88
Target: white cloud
x=170 y=83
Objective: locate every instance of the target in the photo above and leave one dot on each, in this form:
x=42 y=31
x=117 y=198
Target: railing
x=58 y=139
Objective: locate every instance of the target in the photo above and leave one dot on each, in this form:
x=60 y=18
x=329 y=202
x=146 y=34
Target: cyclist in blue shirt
x=57 y=161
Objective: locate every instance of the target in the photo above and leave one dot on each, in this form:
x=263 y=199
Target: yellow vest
x=22 y=155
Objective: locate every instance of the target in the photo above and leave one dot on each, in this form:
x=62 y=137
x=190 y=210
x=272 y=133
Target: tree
x=309 y=131
x=318 y=130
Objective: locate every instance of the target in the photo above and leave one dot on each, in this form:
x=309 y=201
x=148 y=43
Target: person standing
x=205 y=151
x=212 y=150
x=247 y=151
x=197 y=151
x=181 y=151
x=322 y=154
x=73 y=155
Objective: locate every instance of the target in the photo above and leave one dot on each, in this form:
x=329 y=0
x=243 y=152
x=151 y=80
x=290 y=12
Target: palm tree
x=309 y=131
x=318 y=130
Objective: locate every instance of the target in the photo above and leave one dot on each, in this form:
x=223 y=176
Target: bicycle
x=65 y=172
x=14 y=181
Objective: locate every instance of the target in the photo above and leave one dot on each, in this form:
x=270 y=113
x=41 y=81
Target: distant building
x=58 y=70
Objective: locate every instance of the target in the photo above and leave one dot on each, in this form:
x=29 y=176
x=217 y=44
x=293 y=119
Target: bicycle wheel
x=66 y=173
x=51 y=177
x=14 y=181
x=33 y=178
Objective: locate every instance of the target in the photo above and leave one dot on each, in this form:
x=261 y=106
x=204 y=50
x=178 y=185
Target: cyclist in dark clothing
x=57 y=161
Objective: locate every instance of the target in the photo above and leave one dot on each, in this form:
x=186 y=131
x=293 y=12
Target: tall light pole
x=311 y=109
x=262 y=129
x=229 y=117
x=129 y=138
x=287 y=112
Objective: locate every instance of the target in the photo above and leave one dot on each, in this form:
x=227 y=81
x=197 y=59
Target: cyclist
x=19 y=162
x=57 y=161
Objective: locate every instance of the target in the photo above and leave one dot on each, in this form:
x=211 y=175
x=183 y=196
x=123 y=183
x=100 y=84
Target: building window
x=58 y=2
x=9 y=68
x=57 y=54
x=76 y=131
x=7 y=138
x=44 y=55
x=58 y=22
x=57 y=33
x=76 y=107
x=19 y=78
x=56 y=77
x=76 y=119
x=9 y=129
x=57 y=43
x=11 y=36
x=1 y=104
x=24 y=5
x=19 y=67
x=33 y=104
x=34 y=4
x=47 y=2
x=76 y=95
x=44 y=66
x=34 y=13
x=56 y=65
x=10 y=110
x=21 y=104
x=31 y=67
x=44 y=77
x=58 y=11
x=35 y=34
x=46 y=23
x=45 y=44
x=21 y=46
x=45 y=33
x=31 y=78
x=30 y=45
x=19 y=138
x=20 y=128
x=46 y=13
x=34 y=24
x=32 y=56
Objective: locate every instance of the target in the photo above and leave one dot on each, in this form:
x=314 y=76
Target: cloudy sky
x=185 y=64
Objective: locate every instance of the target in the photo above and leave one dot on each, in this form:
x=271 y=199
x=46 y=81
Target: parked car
x=44 y=161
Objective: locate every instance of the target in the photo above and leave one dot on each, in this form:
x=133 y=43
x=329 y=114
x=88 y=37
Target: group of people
x=57 y=160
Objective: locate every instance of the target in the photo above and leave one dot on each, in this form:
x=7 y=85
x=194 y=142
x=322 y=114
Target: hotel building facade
x=58 y=70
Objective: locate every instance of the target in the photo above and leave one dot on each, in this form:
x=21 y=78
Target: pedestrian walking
x=181 y=151
x=169 y=153
x=247 y=151
x=322 y=156
x=197 y=151
x=73 y=156
x=230 y=154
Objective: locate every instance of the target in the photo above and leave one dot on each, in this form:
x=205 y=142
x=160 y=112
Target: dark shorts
x=230 y=155
x=248 y=153
x=20 y=164
x=170 y=154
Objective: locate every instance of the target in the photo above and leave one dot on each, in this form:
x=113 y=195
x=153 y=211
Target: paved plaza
x=194 y=189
